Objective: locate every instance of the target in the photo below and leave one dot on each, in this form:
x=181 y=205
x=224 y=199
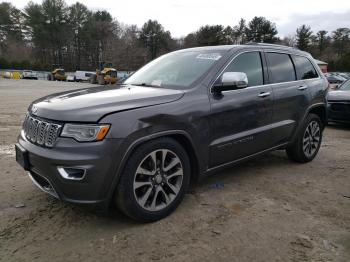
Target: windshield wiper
x=144 y=84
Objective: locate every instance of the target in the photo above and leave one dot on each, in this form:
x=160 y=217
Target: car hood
x=339 y=95
x=91 y=104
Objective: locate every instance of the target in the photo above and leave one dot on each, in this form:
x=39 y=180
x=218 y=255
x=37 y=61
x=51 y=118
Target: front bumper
x=43 y=183
x=100 y=161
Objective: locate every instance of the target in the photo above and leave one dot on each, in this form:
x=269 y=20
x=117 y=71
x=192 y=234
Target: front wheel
x=154 y=180
x=308 y=142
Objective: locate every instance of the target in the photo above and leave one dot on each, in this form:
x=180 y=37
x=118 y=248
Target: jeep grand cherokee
x=180 y=117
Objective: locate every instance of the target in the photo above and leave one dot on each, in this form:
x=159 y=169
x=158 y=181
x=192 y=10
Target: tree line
x=54 y=34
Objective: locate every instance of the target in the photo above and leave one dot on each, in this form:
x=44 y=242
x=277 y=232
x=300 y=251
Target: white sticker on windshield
x=210 y=56
x=156 y=83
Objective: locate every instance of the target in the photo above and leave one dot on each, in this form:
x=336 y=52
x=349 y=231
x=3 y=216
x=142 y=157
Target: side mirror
x=231 y=81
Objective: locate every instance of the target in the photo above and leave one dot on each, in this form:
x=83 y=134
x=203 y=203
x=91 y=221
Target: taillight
x=328 y=84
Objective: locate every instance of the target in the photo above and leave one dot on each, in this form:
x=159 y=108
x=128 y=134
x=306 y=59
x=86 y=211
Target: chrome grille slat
x=34 y=130
x=40 y=132
x=30 y=128
x=51 y=135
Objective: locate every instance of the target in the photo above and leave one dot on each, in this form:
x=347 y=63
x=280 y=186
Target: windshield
x=345 y=85
x=179 y=69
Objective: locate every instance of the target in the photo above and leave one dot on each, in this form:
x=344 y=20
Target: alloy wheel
x=158 y=179
x=311 y=138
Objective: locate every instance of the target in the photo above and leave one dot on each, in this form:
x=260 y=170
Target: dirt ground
x=268 y=209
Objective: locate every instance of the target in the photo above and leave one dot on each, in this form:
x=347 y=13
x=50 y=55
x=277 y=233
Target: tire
x=101 y=80
x=308 y=141
x=93 y=79
x=162 y=194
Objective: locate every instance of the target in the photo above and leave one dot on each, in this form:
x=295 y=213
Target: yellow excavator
x=107 y=75
x=58 y=74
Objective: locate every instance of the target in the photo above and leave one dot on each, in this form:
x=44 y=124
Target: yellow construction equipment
x=58 y=74
x=16 y=75
x=103 y=77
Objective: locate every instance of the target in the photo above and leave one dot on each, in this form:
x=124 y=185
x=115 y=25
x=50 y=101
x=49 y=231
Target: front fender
x=132 y=146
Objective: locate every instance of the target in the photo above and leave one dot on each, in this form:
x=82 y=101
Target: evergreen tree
x=261 y=30
x=155 y=38
x=303 y=36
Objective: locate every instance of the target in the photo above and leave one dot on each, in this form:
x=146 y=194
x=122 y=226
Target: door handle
x=301 y=88
x=264 y=94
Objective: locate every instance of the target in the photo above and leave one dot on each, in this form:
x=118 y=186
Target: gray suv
x=185 y=115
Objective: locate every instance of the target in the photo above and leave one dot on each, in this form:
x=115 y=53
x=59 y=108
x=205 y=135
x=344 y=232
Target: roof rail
x=267 y=44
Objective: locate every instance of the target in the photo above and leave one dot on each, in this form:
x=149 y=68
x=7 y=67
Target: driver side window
x=249 y=63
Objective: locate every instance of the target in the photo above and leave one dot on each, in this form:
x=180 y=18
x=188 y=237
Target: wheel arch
x=182 y=137
x=318 y=109
x=321 y=111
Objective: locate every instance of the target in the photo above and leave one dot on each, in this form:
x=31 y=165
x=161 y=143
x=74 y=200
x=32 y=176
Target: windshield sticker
x=156 y=83
x=211 y=56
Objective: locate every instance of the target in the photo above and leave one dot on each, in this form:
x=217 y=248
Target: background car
x=29 y=74
x=338 y=104
x=83 y=75
x=70 y=77
x=332 y=79
x=344 y=75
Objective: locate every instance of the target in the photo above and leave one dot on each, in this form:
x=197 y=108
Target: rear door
x=307 y=72
x=291 y=97
x=240 y=119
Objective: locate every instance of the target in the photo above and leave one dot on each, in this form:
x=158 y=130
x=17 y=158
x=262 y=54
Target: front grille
x=40 y=132
x=342 y=107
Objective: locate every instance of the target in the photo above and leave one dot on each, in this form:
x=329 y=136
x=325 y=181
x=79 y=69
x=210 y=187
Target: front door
x=240 y=119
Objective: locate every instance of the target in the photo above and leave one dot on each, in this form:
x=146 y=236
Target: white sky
x=181 y=17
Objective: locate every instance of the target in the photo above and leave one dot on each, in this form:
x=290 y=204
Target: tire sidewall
x=309 y=119
x=125 y=196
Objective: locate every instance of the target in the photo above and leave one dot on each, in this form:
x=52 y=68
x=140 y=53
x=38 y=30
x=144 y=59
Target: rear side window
x=249 y=63
x=281 y=68
x=305 y=69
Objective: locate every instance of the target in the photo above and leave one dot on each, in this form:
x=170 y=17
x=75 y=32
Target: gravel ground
x=268 y=209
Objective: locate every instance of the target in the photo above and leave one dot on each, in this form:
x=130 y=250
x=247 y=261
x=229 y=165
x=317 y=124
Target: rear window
x=305 y=69
x=281 y=68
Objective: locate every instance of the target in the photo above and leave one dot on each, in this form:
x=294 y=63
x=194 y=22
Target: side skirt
x=215 y=169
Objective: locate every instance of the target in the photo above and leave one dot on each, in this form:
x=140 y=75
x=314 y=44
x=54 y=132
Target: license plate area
x=22 y=157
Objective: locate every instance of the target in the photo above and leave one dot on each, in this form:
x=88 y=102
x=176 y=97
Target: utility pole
x=100 y=55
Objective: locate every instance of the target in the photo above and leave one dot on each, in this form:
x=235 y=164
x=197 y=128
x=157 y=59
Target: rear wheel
x=100 y=80
x=308 y=141
x=154 y=180
x=93 y=79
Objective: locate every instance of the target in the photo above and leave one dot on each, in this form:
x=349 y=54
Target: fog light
x=72 y=173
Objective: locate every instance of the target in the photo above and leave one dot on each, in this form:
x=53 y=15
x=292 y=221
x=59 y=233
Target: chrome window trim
x=313 y=65
x=291 y=60
x=267 y=85
x=289 y=53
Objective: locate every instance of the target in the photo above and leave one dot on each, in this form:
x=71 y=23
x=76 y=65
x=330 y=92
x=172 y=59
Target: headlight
x=85 y=133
